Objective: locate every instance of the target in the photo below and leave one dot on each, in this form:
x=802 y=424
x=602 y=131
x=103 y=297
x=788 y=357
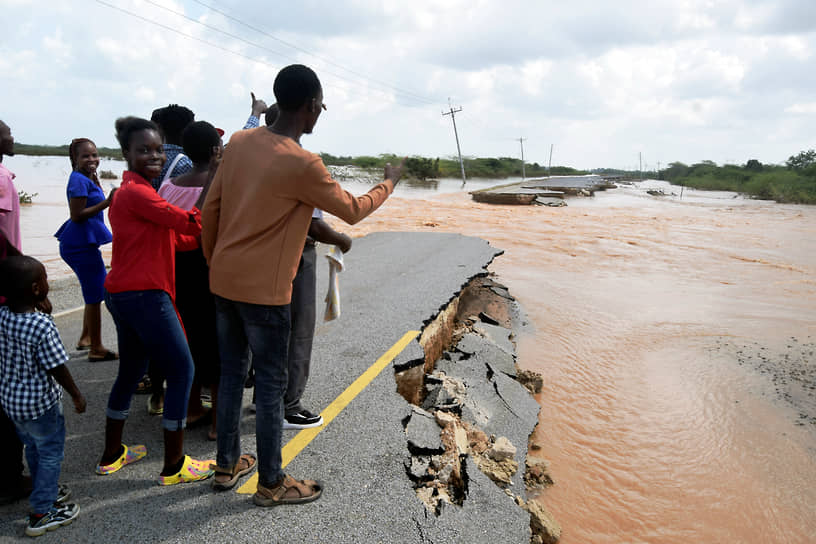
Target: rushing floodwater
x=643 y=310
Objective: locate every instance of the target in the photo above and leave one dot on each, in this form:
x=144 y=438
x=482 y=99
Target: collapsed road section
x=473 y=411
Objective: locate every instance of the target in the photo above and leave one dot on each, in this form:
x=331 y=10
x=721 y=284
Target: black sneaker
x=63 y=493
x=302 y=420
x=59 y=515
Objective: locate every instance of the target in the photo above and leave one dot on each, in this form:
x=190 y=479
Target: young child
x=32 y=363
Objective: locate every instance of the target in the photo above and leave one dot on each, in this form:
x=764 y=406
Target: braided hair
x=73 y=148
x=172 y=121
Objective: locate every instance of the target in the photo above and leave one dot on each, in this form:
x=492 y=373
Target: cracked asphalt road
x=393 y=283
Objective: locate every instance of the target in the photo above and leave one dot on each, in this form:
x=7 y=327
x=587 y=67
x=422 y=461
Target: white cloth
x=335 y=257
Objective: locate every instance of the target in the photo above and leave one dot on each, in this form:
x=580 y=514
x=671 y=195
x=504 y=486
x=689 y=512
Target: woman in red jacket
x=140 y=295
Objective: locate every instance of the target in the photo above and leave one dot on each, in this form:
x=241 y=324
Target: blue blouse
x=92 y=231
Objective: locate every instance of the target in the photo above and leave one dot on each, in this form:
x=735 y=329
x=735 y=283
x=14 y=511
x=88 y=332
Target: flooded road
x=676 y=341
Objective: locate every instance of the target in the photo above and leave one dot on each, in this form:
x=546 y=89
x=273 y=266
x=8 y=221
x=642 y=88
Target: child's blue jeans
x=44 y=440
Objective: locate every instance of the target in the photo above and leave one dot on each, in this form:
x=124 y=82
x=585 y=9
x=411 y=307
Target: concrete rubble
x=548 y=191
x=469 y=435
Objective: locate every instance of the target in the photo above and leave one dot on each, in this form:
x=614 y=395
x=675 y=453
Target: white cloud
x=680 y=79
x=807 y=108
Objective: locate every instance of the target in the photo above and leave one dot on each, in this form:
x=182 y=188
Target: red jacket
x=146 y=232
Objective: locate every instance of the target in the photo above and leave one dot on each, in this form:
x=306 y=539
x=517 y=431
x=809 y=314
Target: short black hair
x=172 y=120
x=294 y=86
x=271 y=114
x=198 y=140
x=127 y=126
x=17 y=273
x=73 y=147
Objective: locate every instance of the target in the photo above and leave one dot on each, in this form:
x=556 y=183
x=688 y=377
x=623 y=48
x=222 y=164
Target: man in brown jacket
x=255 y=220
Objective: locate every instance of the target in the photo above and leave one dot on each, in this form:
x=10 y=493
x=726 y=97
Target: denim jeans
x=44 y=440
x=303 y=310
x=265 y=331
x=149 y=328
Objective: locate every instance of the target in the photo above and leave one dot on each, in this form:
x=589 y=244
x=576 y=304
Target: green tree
x=803 y=160
x=676 y=170
x=419 y=167
x=753 y=165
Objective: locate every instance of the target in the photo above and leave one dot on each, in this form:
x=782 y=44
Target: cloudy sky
x=675 y=80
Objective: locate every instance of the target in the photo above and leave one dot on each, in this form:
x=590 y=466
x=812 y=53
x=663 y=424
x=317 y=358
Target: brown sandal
x=288 y=491
x=247 y=461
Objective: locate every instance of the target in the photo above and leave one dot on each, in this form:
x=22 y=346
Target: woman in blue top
x=80 y=238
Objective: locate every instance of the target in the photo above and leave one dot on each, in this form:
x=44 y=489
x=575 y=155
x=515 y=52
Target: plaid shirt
x=252 y=122
x=183 y=166
x=30 y=345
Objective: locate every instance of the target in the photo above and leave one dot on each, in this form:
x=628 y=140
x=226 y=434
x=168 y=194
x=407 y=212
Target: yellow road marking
x=302 y=439
x=69 y=312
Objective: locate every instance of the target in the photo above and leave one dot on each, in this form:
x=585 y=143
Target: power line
x=321 y=58
x=284 y=55
x=406 y=94
x=211 y=27
x=215 y=45
x=171 y=29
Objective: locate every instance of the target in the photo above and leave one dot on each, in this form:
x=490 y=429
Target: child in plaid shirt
x=32 y=363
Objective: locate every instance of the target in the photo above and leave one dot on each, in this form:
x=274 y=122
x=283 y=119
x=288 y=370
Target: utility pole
x=549 y=164
x=521 y=141
x=640 y=165
x=453 y=113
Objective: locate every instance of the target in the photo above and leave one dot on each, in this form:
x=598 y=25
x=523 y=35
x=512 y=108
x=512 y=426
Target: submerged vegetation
x=26 y=198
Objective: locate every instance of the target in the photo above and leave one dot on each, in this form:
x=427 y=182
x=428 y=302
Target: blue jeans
x=149 y=329
x=265 y=331
x=44 y=440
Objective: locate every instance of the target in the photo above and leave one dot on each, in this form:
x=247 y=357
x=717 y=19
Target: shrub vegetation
x=424 y=168
x=795 y=182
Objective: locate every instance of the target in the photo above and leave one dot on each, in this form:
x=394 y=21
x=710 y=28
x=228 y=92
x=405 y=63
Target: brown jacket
x=258 y=210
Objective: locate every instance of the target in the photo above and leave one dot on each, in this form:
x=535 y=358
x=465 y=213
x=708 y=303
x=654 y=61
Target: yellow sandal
x=192 y=470
x=129 y=455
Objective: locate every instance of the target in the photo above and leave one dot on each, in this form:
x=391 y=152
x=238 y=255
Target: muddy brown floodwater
x=676 y=341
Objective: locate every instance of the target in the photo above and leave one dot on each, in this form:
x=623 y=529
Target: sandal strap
x=303 y=489
x=245 y=457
